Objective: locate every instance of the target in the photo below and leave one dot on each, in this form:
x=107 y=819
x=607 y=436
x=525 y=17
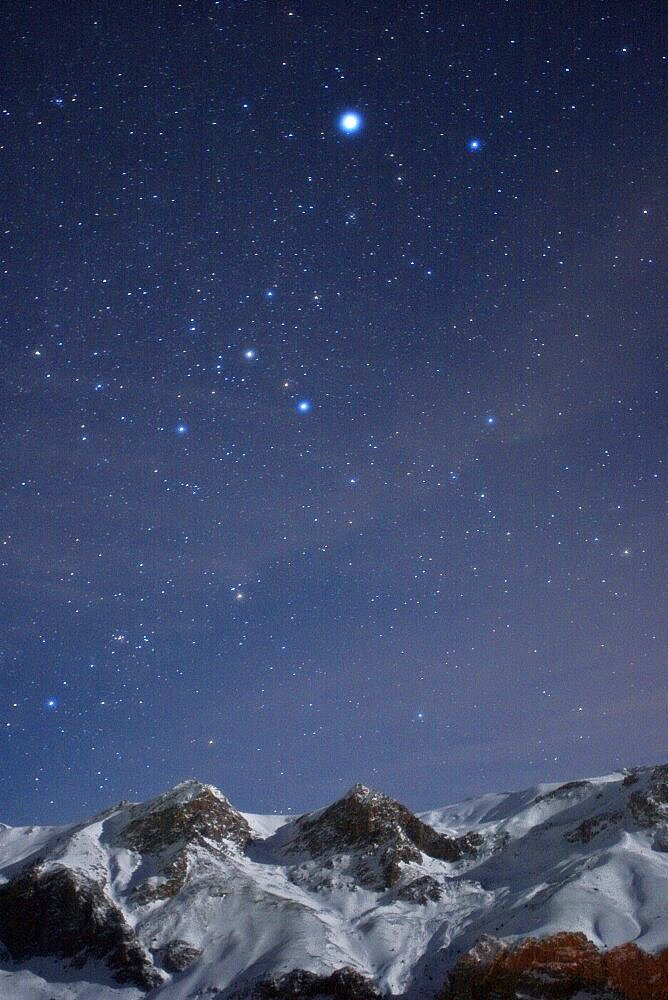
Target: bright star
x=51 y=703
x=181 y=429
x=490 y=421
x=350 y=121
x=250 y=354
x=304 y=406
x=474 y=145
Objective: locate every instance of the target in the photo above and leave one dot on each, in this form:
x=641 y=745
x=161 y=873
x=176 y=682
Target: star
x=181 y=429
x=350 y=121
x=474 y=145
x=51 y=703
x=250 y=354
x=304 y=406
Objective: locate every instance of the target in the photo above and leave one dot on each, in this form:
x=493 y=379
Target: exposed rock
x=177 y=955
x=557 y=968
x=650 y=807
x=65 y=914
x=168 y=883
x=421 y=890
x=591 y=827
x=563 y=790
x=660 y=842
x=190 y=815
x=343 y=984
x=204 y=815
x=384 y=833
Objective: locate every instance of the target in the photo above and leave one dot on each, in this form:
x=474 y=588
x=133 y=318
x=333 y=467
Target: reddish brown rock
x=557 y=968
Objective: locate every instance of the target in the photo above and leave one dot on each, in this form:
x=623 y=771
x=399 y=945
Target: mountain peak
x=381 y=832
x=188 y=813
x=358 y=791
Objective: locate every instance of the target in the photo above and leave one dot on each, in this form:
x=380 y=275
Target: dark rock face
x=421 y=890
x=177 y=955
x=65 y=914
x=557 y=968
x=563 y=790
x=381 y=830
x=651 y=807
x=171 y=827
x=343 y=984
x=204 y=816
x=591 y=827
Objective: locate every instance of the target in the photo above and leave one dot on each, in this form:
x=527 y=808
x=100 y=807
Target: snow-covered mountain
x=185 y=897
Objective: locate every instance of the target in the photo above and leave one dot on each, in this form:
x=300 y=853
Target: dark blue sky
x=329 y=455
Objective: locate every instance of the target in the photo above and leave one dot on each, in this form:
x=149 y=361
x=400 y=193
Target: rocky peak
x=190 y=812
x=189 y=816
x=377 y=827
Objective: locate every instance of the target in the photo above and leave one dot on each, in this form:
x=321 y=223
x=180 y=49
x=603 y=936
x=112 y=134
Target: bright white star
x=350 y=121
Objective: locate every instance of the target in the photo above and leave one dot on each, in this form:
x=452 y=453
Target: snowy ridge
x=190 y=898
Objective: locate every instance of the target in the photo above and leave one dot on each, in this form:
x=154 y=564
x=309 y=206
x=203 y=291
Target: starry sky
x=331 y=399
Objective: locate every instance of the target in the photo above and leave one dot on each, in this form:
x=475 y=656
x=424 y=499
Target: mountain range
x=560 y=891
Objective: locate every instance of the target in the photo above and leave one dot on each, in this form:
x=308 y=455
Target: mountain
x=556 y=891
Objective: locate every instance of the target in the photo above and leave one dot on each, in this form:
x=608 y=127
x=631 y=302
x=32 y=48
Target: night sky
x=331 y=399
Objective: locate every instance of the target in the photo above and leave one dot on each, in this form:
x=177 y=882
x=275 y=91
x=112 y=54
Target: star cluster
x=331 y=399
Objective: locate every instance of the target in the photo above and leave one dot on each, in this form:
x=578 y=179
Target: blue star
x=474 y=145
x=304 y=406
x=51 y=703
x=250 y=354
x=350 y=121
x=181 y=429
x=490 y=421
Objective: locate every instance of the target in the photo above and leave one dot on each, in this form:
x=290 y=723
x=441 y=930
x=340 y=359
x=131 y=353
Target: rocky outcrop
x=423 y=890
x=651 y=807
x=200 y=813
x=383 y=833
x=592 y=826
x=557 y=968
x=563 y=791
x=177 y=955
x=189 y=816
x=65 y=914
x=343 y=984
